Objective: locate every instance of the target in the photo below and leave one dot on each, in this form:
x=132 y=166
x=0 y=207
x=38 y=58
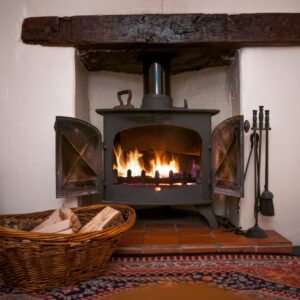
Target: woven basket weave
x=34 y=261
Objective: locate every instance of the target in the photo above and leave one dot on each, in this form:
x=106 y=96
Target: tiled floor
x=184 y=237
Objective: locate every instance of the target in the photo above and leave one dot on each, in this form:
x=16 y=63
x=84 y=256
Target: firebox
x=155 y=155
x=160 y=156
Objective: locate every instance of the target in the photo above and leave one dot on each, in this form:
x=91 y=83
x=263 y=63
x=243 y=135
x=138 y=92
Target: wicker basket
x=34 y=261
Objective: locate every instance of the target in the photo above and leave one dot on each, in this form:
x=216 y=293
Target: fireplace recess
x=155 y=155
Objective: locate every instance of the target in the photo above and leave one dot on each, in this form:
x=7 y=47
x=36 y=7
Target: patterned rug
x=265 y=276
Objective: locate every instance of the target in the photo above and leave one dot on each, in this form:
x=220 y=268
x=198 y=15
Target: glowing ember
x=134 y=161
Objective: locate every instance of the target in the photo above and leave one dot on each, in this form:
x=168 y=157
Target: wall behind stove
x=209 y=88
x=38 y=83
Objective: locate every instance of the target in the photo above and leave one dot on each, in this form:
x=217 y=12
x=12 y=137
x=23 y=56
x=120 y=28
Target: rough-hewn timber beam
x=123 y=31
x=195 y=41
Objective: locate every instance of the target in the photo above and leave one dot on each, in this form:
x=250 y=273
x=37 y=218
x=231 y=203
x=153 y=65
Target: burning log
x=150 y=180
x=171 y=177
x=143 y=176
x=156 y=180
x=162 y=162
x=129 y=177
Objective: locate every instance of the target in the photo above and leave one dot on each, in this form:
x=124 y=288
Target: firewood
x=56 y=227
x=64 y=213
x=53 y=218
x=67 y=231
x=105 y=218
x=67 y=213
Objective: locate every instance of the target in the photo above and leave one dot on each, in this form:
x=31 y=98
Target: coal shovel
x=266 y=198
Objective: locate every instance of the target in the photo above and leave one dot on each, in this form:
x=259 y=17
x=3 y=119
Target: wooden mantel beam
x=121 y=31
x=121 y=35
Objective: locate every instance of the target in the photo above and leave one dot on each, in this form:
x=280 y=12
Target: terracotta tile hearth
x=166 y=238
x=177 y=237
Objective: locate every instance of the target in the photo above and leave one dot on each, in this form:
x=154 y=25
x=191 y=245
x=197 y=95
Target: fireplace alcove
x=198 y=161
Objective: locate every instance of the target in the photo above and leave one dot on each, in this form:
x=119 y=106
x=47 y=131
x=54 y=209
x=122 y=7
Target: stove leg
x=207 y=212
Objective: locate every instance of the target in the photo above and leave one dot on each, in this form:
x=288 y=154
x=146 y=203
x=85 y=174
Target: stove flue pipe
x=157 y=84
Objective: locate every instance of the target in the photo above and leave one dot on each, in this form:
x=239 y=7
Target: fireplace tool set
x=263 y=201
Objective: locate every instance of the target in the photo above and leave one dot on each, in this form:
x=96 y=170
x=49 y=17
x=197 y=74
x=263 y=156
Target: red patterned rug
x=265 y=276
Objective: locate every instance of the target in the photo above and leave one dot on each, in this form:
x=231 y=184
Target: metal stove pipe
x=156 y=83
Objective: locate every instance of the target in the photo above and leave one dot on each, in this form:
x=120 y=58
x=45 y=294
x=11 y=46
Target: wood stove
x=155 y=155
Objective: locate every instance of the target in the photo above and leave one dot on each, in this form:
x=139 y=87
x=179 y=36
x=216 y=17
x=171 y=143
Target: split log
x=56 y=227
x=67 y=213
x=59 y=215
x=53 y=218
x=67 y=231
x=105 y=218
x=65 y=221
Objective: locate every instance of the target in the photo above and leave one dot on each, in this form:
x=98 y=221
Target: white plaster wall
x=270 y=77
x=208 y=88
x=82 y=107
x=229 y=6
x=35 y=85
x=90 y=7
x=103 y=88
x=85 y=7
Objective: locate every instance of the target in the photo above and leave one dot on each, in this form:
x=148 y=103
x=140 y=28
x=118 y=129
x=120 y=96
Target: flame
x=134 y=161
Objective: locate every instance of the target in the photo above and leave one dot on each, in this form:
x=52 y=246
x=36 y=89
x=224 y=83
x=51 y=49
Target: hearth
x=155 y=155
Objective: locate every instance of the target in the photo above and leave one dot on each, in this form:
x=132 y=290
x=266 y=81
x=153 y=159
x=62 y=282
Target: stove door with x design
x=78 y=157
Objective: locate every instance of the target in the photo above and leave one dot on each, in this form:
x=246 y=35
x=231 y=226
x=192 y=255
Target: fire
x=135 y=161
